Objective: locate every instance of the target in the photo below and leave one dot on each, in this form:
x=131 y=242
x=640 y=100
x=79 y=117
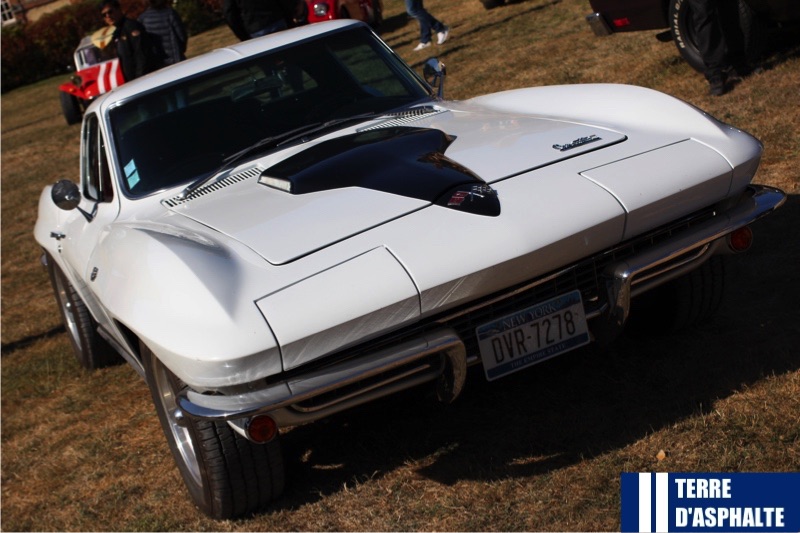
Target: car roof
x=218 y=57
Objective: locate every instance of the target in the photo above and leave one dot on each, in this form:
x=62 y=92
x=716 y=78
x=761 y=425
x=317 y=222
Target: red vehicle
x=369 y=11
x=97 y=71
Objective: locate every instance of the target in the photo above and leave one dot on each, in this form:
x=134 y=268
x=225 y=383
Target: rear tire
x=743 y=33
x=71 y=107
x=682 y=302
x=226 y=475
x=682 y=30
x=91 y=350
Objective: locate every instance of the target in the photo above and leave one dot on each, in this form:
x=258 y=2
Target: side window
x=95 y=174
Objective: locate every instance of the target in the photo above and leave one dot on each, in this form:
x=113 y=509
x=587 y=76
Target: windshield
x=89 y=55
x=186 y=130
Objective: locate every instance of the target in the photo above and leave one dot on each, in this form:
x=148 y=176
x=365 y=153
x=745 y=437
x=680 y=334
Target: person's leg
x=709 y=37
x=436 y=25
x=415 y=9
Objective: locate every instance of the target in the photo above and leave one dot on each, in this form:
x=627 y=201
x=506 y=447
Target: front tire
x=91 y=350
x=226 y=475
x=71 y=108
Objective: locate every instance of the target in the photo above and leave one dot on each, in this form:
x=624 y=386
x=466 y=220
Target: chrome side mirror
x=66 y=195
x=434 y=72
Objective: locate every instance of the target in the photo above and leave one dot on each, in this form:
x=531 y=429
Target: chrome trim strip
x=681 y=264
x=213 y=186
x=404 y=117
x=123 y=350
x=411 y=374
x=291 y=416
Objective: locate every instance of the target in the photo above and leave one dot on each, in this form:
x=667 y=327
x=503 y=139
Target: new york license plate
x=532 y=335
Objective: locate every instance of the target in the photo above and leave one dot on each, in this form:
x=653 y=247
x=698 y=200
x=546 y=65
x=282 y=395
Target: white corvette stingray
x=298 y=224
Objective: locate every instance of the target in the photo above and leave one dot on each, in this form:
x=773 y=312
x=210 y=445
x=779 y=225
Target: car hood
x=293 y=203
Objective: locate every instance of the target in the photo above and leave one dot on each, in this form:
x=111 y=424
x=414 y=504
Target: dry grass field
x=541 y=450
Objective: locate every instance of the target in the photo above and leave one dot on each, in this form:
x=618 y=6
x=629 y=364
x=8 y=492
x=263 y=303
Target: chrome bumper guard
x=438 y=356
x=441 y=355
x=680 y=254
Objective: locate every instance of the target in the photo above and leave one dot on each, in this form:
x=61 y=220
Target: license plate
x=532 y=335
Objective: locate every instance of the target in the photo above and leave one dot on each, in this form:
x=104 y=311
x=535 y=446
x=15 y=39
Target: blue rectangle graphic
x=736 y=502
x=629 y=495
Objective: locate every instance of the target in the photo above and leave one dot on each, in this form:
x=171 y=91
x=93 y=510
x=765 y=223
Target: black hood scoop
x=406 y=161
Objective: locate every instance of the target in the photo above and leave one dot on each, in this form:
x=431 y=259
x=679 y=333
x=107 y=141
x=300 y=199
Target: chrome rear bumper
x=441 y=356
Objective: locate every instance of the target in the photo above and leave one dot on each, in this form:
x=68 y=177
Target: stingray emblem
x=476 y=191
x=576 y=143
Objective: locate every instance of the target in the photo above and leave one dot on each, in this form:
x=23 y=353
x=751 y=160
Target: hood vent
x=253 y=172
x=404 y=117
x=404 y=161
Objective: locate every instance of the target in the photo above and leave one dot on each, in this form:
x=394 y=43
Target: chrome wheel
x=67 y=309
x=91 y=350
x=166 y=388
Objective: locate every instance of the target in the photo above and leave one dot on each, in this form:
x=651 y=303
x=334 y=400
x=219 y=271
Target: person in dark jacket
x=164 y=23
x=135 y=50
x=253 y=18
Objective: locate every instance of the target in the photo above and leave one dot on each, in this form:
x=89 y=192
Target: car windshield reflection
x=185 y=131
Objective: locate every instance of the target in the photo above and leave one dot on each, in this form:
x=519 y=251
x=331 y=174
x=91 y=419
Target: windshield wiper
x=274 y=141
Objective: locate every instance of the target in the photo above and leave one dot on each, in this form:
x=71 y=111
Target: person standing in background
x=135 y=50
x=164 y=23
x=253 y=18
x=427 y=25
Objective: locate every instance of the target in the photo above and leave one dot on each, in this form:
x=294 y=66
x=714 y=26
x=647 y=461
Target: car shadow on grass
x=11 y=347
x=580 y=405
